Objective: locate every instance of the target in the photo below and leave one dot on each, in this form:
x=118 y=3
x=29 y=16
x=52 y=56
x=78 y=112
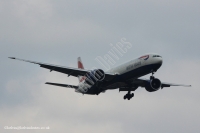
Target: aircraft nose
x=159 y=61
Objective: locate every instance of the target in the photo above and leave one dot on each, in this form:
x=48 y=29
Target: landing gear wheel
x=132 y=95
x=152 y=77
x=128 y=96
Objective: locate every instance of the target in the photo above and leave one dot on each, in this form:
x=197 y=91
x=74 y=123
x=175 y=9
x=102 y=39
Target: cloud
x=57 y=32
x=64 y=110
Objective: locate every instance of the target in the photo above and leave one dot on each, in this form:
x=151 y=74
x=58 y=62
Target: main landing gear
x=129 y=95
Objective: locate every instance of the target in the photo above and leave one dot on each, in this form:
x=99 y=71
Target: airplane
x=125 y=77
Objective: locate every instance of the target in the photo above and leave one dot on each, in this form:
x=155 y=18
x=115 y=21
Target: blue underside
x=136 y=73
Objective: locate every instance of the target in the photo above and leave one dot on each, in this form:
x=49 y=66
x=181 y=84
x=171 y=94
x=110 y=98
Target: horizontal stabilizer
x=62 y=85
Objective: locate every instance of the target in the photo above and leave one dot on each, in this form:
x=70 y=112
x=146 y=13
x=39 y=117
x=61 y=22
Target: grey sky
x=59 y=31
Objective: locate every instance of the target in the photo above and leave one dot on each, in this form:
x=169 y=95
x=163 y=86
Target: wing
x=171 y=84
x=66 y=70
x=62 y=85
x=142 y=82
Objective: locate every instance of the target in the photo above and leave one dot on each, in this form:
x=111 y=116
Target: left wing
x=171 y=84
x=66 y=70
x=142 y=82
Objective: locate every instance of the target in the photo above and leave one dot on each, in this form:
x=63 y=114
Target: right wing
x=66 y=70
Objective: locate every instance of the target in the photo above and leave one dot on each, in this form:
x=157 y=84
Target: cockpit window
x=156 y=56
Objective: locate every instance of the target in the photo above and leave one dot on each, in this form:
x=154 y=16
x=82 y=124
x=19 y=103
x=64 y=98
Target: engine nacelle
x=95 y=76
x=153 y=85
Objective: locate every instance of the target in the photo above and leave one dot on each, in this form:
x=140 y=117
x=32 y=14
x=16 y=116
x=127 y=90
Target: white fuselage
x=132 y=69
x=136 y=63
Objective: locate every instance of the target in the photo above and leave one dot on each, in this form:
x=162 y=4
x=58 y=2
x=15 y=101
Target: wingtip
x=12 y=57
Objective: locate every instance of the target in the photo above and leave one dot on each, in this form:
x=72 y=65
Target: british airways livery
x=125 y=77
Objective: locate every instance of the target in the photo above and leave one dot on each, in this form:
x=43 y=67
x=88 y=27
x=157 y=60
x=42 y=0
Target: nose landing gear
x=128 y=96
x=152 y=77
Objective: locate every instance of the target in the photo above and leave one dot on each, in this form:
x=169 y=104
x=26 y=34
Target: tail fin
x=80 y=66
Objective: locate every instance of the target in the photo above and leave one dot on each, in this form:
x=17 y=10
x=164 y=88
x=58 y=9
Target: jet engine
x=94 y=76
x=153 y=85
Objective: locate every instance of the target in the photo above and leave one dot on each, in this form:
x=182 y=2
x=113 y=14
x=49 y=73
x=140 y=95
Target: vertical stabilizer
x=80 y=66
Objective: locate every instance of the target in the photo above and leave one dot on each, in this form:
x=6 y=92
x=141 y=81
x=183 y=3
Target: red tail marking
x=80 y=65
x=82 y=78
